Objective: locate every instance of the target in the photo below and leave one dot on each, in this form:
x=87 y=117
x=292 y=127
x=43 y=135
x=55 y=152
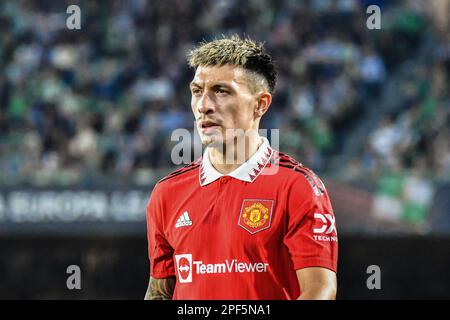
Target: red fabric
x=224 y=255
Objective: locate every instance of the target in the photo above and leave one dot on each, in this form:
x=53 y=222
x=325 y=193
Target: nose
x=205 y=104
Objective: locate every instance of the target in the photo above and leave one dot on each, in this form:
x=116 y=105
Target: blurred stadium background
x=86 y=118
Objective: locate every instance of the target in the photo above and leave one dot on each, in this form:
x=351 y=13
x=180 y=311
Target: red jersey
x=241 y=235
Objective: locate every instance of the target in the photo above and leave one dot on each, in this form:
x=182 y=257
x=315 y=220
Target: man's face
x=221 y=100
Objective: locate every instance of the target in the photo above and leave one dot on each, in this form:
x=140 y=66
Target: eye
x=221 y=91
x=196 y=91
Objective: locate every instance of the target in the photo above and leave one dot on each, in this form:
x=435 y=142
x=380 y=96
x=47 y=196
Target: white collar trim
x=248 y=171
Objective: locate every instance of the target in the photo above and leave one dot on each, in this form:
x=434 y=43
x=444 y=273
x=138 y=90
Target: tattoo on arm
x=160 y=289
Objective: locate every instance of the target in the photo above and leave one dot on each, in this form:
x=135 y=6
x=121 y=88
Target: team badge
x=255 y=215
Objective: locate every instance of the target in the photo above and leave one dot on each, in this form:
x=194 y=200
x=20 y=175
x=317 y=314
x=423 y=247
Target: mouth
x=207 y=125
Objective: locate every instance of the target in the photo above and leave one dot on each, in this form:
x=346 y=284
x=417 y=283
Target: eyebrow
x=215 y=85
x=194 y=84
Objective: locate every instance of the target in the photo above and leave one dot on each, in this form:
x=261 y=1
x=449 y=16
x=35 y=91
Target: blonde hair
x=233 y=50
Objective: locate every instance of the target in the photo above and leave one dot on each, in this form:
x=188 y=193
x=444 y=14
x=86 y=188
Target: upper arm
x=160 y=289
x=162 y=281
x=160 y=251
x=311 y=236
x=317 y=283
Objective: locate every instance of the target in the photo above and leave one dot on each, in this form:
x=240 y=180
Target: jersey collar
x=248 y=171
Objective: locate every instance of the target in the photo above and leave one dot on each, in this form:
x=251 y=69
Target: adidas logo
x=184 y=220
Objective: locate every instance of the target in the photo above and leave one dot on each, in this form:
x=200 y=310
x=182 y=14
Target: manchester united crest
x=255 y=215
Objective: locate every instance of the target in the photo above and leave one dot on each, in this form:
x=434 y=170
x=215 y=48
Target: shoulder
x=178 y=175
x=296 y=172
x=177 y=180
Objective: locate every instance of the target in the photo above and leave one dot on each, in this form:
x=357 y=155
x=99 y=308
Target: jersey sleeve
x=311 y=236
x=159 y=250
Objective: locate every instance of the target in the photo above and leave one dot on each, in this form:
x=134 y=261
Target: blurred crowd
x=415 y=137
x=101 y=102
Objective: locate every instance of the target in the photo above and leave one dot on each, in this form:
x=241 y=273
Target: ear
x=264 y=101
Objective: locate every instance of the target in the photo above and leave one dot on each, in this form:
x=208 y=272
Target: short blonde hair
x=233 y=50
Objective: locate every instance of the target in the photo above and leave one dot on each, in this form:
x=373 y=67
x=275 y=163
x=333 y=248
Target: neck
x=232 y=155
